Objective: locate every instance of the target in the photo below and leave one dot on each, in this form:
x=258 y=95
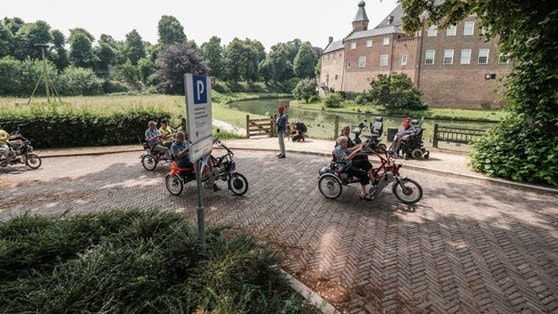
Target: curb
x=495 y=181
x=312 y=297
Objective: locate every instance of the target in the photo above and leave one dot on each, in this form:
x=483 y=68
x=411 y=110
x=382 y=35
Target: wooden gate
x=259 y=127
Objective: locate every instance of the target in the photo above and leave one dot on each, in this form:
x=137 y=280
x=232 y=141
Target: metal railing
x=455 y=134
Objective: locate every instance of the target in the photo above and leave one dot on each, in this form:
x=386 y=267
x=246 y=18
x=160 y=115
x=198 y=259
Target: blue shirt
x=150 y=133
x=176 y=148
x=281 y=123
x=340 y=154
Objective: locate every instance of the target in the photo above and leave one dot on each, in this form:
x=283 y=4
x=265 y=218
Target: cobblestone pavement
x=467 y=247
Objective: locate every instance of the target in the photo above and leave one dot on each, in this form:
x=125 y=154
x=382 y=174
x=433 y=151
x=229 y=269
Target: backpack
x=301 y=127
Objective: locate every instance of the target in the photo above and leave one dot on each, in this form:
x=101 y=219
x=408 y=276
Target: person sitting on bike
x=167 y=134
x=344 y=158
x=403 y=134
x=152 y=136
x=361 y=159
x=4 y=141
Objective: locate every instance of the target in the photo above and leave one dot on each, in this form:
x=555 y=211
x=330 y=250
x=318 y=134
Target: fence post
x=435 y=139
x=336 y=128
x=247 y=126
x=274 y=118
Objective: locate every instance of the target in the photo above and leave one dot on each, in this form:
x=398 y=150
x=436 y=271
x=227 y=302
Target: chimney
x=330 y=40
x=390 y=20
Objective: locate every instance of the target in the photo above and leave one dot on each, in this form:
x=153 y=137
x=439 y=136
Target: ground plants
x=136 y=262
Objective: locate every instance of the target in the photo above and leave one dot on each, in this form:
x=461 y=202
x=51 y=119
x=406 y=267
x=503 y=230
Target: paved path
x=467 y=247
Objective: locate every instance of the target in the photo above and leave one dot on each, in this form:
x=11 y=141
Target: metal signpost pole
x=201 y=213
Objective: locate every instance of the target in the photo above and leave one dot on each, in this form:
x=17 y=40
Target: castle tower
x=360 y=22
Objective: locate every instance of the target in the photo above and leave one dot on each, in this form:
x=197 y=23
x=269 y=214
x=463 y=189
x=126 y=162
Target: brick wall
x=331 y=73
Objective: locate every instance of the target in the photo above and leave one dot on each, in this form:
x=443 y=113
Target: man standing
x=152 y=136
x=281 y=124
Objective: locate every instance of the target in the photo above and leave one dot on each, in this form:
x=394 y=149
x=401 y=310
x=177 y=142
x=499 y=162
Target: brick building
x=453 y=67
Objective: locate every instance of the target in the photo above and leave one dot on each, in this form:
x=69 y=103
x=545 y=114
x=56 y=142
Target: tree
x=523 y=146
x=234 y=60
x=212 y=51
x=170 y=31
x=266 y=70
x=145 y=67
x=173 y=62
x=107 y=58
x=396 y=92
x=134 y=48
x=81 y=50
x=127 y=72
x=30 y=35
x=60 y=59
x=305 y=61
x=6 y=41
x=79 y=81
x=278 y=56
x=305 y=89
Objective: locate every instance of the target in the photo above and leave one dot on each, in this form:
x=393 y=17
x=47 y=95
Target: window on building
x=432 y=31
x=383 y=60
x=504 y=58
x=404 y=60
x=448 y=56
x=369 y=43
x=336 y=77
x=353 y=45
x=348 y=64
x=465 y=56
x=483 y=56
x=386 y=41
x=361 y=61
x=451 y=31
x=429 y=57
x=469 y=28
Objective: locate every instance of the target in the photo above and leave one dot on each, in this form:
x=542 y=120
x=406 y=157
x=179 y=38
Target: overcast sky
x=269 y=22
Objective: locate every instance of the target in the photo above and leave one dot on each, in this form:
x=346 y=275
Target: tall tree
x=305 y=61
x=523 y=146
x=28 y=36
x=135 y=49
x=81 y=49
x=6 y=41
x=212 y=51
x=13 y=24
x=170 y=31
x=60 y=58
x=234 y=60
x=279 y=58
x=173 y=62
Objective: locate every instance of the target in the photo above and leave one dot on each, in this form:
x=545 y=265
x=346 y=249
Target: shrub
x=110 y=87
x=363 y=98
x=79 y=81
x=135 y=262
x=18 y=78
x=396 y=92
x=513 y=151
x=333 y=100
x=305 y=89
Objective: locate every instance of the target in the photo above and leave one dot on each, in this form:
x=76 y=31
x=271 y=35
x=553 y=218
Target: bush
x=363 y=98
x=514 y=151
x=110 y=87
x=396 y=92
x=136 y=262
x=305 y=89
x=79 y=81
x=61 y=126
x=18 y=78
x=333 y=100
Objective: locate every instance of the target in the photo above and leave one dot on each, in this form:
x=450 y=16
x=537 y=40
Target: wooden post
x=247 y=126
x=336 y=128
x=435 y=139
x=274 y=118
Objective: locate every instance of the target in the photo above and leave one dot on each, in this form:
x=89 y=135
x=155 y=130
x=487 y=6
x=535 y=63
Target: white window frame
x=451 y=31
x=404 y=60
x=386 y=41
x=361 y=61
x=384 y=59
x=432 y=31
x=353 y=45
x=483 y=55
x=448 y=54
x=369 y=43
x=469 y=28
x=433 y=52
x=468 y=54
x=504 y=56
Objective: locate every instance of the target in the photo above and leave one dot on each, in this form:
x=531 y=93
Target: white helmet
x=356 y=130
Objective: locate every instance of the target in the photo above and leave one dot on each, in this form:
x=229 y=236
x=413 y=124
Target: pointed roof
x=393 y=19
x=361 y=13
x=333 y=46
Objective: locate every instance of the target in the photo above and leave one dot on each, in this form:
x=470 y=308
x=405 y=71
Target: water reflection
x=321 y=124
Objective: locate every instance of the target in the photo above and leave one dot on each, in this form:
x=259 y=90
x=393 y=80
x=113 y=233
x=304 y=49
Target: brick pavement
x=466 y=247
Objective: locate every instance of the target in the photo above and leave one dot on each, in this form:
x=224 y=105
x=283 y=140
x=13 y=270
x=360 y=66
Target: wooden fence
x=259 y=127
x=455 y=134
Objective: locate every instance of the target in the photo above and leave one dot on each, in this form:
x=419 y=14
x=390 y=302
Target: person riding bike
x=344 y=158
x=167 y=133
x=5 y=150
x=152 y=136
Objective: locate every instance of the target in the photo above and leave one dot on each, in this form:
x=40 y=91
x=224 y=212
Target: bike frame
x=387 y=164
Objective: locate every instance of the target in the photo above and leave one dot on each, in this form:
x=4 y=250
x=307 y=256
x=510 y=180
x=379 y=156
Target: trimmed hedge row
x=73 y=129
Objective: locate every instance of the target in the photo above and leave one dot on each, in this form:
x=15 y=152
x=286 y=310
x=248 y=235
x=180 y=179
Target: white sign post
x=198 y=111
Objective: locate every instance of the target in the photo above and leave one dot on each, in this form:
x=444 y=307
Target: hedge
x=82 y=128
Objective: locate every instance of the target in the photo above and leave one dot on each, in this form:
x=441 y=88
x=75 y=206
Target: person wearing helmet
x=4 y=148
x=281 y=123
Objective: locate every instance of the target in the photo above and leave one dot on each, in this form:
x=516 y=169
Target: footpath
x=440 y=161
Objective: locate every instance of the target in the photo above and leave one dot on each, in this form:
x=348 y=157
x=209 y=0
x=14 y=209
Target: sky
x=269 y=22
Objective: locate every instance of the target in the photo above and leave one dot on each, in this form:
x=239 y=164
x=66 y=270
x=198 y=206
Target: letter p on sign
x=200 y=90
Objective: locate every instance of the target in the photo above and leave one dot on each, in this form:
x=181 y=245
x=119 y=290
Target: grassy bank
x=434 y=113
x=140 y=262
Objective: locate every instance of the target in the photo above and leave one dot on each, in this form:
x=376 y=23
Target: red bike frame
x=387 y=164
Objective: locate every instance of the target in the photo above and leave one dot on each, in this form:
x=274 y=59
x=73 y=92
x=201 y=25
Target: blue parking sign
x=200 y=89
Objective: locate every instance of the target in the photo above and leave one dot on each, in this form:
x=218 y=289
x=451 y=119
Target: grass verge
x=140 y=262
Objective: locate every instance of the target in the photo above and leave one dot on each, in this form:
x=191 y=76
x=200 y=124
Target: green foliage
x=126 y=72
x=28 y=36
x=134 y=48
x=136 y=262
x=170 y=31
x=242 y=59
x=20 y=77
x=305 y=61
x=64 y=126
x=305 y=89
x=334 y=100
x=81 y=49
x=396 y=92
x=212 y=51
x=513 y=151
x=79 y=81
